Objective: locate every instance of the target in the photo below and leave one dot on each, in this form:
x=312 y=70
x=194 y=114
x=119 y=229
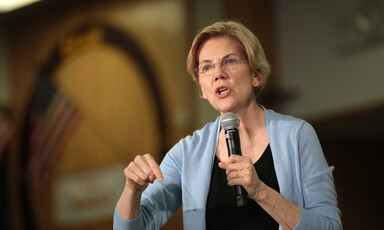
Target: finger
x=132 y=176
x=238 y=158
x=235 y=181
x=152 y=178
x=233 y=166
x=142 y=163
x=136 y=169
x=238 y=173
x=239 y=168
x=234 y=158
x=239 y=162
x=222 y=165
x=154 y=167
x=232 y=174
x=232 y=162
x=237 y=177
x=241 y=177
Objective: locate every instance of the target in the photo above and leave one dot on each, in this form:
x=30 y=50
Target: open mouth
x=222 y=91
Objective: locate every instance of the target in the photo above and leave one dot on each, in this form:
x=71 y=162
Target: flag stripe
x=51 y=118
x=67 y=118
x=47 y=133
x=50 y=131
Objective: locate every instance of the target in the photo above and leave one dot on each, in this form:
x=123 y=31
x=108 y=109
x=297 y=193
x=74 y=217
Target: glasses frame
x=213 y=65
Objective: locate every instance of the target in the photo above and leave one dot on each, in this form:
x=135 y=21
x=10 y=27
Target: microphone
x=230 y=123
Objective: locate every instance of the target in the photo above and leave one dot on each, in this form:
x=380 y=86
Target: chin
x=224 y=106
x=226 y=110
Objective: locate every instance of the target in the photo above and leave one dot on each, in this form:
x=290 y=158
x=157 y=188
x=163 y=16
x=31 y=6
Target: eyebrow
x=228 y=55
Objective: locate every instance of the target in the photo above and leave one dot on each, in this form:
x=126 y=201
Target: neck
x=251 y=121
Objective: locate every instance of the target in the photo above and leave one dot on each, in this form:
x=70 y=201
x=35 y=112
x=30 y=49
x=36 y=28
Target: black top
x=222 y=212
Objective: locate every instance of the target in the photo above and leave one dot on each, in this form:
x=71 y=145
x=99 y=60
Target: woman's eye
x=206 y=68
x=230 y=61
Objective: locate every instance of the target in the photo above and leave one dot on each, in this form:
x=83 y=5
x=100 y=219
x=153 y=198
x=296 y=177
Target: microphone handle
x=233 y=144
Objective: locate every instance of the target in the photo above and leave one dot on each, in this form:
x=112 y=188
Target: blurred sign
x=88 y=196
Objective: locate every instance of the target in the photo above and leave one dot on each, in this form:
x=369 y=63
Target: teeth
x=221 y=90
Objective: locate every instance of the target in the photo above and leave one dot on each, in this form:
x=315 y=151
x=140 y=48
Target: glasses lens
x=230 y=63
x=205 y=68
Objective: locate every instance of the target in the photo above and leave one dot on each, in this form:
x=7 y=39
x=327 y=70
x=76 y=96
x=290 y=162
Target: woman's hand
x=240 y=171
x=139 y=173
x=142 y=171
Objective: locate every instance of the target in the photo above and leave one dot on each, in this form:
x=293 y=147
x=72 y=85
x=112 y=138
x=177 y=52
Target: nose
x=219 y=73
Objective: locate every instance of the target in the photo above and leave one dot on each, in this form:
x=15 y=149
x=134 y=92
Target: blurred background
x=86 y=85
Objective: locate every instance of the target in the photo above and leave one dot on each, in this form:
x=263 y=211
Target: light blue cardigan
x=303 y=175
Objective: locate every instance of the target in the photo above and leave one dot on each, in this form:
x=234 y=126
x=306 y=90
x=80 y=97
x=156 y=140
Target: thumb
x=152 y=178
x=223 y=165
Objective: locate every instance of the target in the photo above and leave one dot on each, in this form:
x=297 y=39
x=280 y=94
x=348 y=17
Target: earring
x=255 y=83
x=257 y=79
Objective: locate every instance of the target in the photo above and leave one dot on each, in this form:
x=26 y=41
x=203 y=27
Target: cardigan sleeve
x=320 y=210
x=159 y=201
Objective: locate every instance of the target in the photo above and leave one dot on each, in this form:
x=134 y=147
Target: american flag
x=52 y=117
x=6 y=133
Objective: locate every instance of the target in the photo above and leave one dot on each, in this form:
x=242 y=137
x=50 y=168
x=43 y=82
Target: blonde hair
x=249 y=45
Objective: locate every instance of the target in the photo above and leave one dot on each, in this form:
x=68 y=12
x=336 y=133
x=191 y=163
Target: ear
x=257 y=79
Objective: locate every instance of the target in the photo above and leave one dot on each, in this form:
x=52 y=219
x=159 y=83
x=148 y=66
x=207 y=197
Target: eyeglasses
x=227 y=64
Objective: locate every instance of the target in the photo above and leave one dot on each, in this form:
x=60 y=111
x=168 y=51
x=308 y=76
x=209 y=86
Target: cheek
x=247 y=85
x=203 y=90
x=248 y=82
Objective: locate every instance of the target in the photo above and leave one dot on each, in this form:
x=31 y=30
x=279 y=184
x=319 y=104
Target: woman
x=282 y=167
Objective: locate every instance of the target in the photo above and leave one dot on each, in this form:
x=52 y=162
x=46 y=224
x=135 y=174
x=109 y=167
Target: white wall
x=314 y=60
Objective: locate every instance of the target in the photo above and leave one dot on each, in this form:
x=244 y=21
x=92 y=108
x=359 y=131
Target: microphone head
x=230 y=121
